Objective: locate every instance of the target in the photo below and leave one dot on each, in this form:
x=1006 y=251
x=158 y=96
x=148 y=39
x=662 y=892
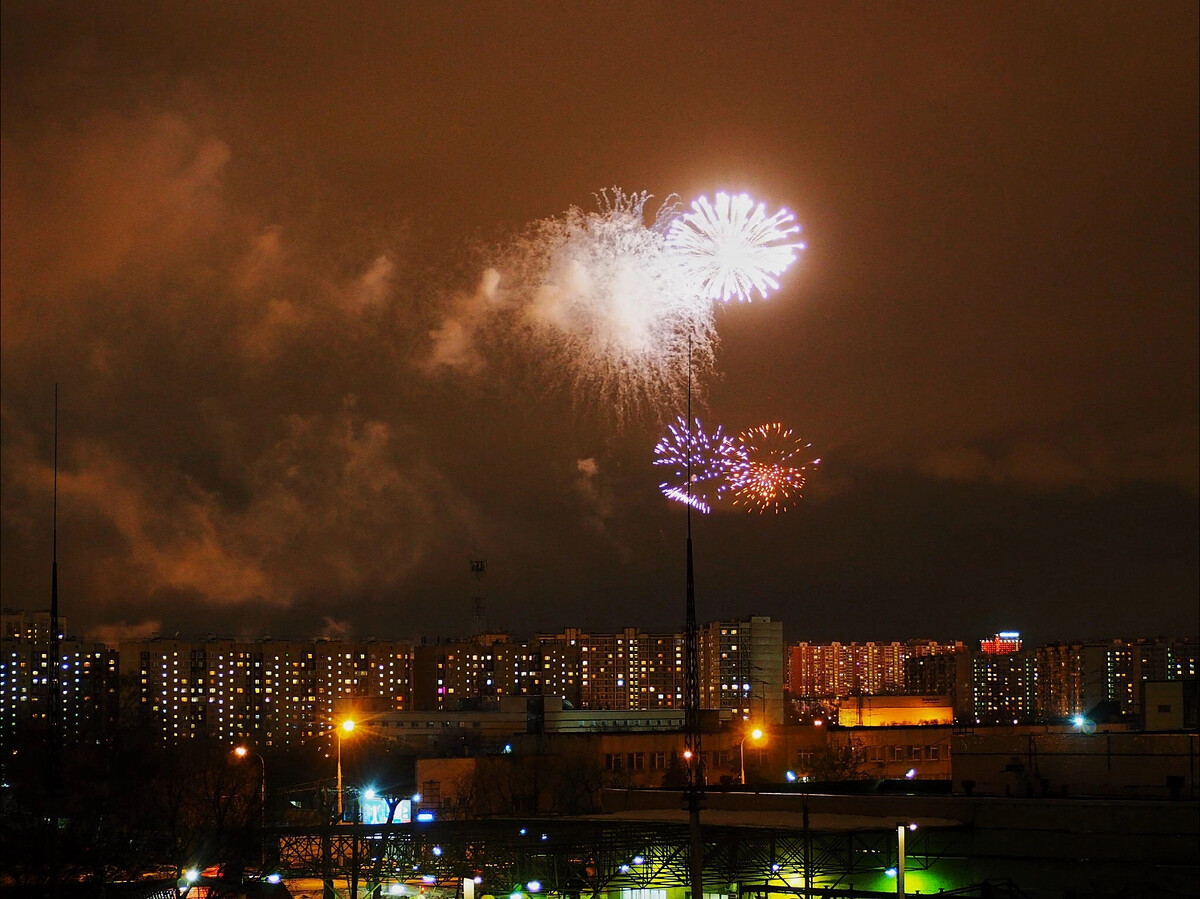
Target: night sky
x=239 y=235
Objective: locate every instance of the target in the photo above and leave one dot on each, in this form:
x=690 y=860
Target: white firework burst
x=606 y=306
x=732 y=249
x=619 y=303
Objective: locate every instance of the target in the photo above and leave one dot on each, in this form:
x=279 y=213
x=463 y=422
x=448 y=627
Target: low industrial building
x=890 y=711
x=1112 y=763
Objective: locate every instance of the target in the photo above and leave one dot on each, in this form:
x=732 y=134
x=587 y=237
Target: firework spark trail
x=774 y=471
x=733 y=248
x=711 y=457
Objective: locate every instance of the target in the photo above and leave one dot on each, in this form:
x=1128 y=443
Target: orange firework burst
x=774 y=470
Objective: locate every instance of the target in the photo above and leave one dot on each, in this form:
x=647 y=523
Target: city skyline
x=35 y=621
x=282 y=690
x=253 y=247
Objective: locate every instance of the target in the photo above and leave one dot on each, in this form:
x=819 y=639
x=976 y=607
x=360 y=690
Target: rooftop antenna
x=478 y=619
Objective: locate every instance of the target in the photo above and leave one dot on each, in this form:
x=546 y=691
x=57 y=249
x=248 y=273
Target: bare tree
x=839 y=761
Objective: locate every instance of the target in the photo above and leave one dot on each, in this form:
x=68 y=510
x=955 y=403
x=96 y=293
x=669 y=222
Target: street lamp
x=241 y=752
x=900 y=833
x=755 y=735
x=346 y=727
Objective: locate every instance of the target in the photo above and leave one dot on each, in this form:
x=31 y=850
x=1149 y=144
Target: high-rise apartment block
x=741 y=668
x=826 y=670
x=271 y=692
x=87 y=691
x=1001 y=643
x=17 y=624
x=1073 y=678
x=630 y=669
x=1002 y=681
x=286 y=692
x=1003 y=687
x=942 y=674
x=627 y=669
x=278 y=692
x=476 y=672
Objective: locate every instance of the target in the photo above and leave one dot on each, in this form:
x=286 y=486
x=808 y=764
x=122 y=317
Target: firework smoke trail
x=774 y=469
x=602 y=300
x=733 y=248
x=712 y=456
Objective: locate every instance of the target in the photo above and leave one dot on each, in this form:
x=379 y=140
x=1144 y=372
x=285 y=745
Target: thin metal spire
x=694 y=790
x=55 y=698
x=54 y=709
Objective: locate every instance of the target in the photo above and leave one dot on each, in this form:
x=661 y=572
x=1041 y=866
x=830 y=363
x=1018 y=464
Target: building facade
x=87 y=691
x=281 y=692
x=1073 y=678
x=829 y=670
x=1003 y=688
x=268 y=692
x=741 y=668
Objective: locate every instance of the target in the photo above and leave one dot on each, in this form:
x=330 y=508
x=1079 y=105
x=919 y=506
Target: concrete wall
x=1076 y=764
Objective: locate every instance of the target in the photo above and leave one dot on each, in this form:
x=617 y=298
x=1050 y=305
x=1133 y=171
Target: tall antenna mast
x=694 y=791
x=55 y=662
x=53 y=685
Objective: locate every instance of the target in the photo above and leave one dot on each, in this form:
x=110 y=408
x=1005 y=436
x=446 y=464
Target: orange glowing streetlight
x=241 y=752
x=754 y=735
x=346 y=727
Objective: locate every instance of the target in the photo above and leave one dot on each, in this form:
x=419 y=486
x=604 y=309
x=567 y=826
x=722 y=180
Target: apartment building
x=741 y=668
x=269 y=692
x=1073 y=678
x=824 y=670
x=88 y=695
x=275 y=692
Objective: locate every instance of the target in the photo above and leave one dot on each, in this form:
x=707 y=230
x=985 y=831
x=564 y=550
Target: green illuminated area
x=542 y=868
x=925 y=881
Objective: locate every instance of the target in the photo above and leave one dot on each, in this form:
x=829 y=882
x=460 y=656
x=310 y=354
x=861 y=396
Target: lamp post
x=755 y=735
x=346 y=727
x=900 y=832
x=241 y=752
